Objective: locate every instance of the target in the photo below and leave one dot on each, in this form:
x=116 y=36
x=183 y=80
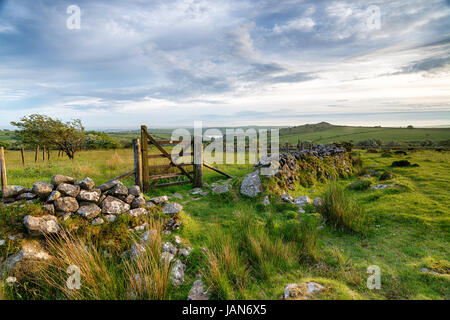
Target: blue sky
x=227 y=63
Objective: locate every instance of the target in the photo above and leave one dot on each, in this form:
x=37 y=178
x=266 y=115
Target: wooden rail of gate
x=142 y=169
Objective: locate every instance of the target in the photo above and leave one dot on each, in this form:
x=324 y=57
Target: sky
x=168 y=63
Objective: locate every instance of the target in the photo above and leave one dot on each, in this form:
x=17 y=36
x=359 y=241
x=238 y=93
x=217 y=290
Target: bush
x=386 y=155
x=401 y=163
x=386 y=175
x=341 y=212
x=362 y=184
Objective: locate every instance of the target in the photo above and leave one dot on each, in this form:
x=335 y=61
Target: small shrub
x=386 y=175
x=372 y=150
x=386 y=155
x=341 y=212
x=401 y=152
x=403 y=163
x=357 y=162
x=362 y=184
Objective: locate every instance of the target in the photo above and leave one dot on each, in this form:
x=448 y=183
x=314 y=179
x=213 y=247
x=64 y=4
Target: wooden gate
x=154 y=171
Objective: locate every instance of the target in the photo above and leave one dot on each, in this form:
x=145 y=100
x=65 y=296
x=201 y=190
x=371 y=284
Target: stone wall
x=298 y=167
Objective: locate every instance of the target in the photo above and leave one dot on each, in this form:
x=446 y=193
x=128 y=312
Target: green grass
x=252 y=250
x=330 y=133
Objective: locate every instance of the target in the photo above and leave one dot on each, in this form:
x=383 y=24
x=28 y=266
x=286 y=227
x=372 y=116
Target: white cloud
x=301 y=24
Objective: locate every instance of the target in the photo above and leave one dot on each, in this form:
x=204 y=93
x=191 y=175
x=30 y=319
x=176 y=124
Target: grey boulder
x=120 y=190
x=57 y=179
x=172 y=208
x=251 y=185
x=68 y=189
x=135 y=191
x=14 y=191
x=89 y=211
x=42 y=189
x=197 y=291
x=89 y=196
x=42 y=225
x=86 y=183
x=115 y=206
x=108 y=185
x=137 y=212
x=138 y=202
x=66 y=204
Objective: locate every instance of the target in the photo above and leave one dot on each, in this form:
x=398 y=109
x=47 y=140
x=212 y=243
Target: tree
x=42 y=130
x=410 y=127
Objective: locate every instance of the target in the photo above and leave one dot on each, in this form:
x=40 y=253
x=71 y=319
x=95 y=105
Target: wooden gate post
x=198 y=163
x=144 y=149
x=137 y=163
x=3 y=171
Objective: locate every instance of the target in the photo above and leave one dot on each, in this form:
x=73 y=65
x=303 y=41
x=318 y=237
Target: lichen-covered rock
x=42 y=225
x=136 y=250
x=184 y=252
x=108 y=185
x=66 y=204
x=135 y=191
x=50 y=208
x=26 y=196
x=120 y=190
x=169 y=247
x=42 y=189
x=69 y=190
x=172 y=208
x=30 y=252
x=251 y=185
x=86 y=183
x=115 y=206
x=97 y=221
x=14 y=191
x=89 y=211
x=302 y=291
x=177 y=272
x=110 y=217
x=287 y=198
x=301 y=201
x=197 y=291
x=137 y=212
x=53 y=196
x=57 y=179
x=167 y=257
x=138 y=202
x=221 y=188
x=89 y=196
x=160 y=199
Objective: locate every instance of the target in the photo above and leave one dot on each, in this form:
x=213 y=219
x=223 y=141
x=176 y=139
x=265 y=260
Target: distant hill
x=324 y=132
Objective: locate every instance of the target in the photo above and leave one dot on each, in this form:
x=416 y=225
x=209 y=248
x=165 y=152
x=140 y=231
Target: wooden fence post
x=144 y=148
x=36 y=154
x=23 y=157
x=137 y=163
x=3 y=171
x=198 y=163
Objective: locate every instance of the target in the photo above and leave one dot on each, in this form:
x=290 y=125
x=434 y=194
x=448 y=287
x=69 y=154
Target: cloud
x=180 y=57
x=302 y=25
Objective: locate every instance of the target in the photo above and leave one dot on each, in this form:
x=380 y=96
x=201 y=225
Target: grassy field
x=317 y=133
x=329 y=133
x=252 y=251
